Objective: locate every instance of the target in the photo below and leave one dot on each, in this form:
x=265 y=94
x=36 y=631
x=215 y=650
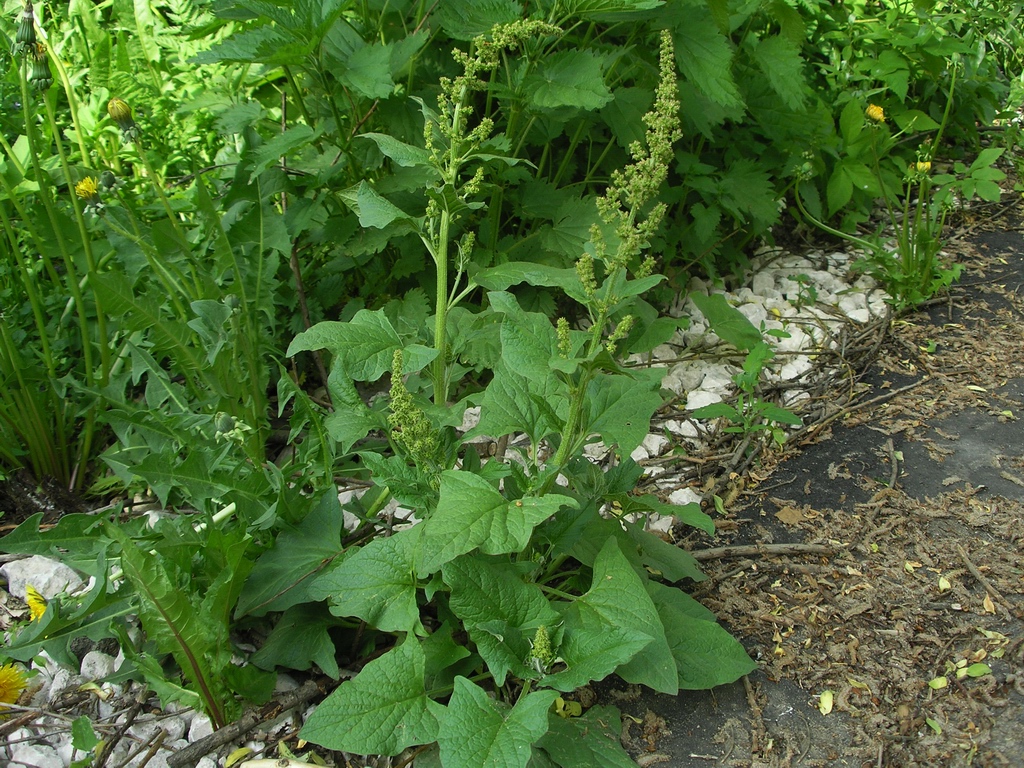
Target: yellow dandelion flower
x=12 y=683
x=923 y=166
x=875 y=112
x=36 y=602
x=87 y=188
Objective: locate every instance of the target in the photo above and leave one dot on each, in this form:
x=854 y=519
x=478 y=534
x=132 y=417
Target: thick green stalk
x=440 y=372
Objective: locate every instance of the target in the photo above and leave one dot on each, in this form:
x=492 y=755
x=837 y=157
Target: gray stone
x=34 y=756
x=200 y=728
x=97 y=665
x=49 y=577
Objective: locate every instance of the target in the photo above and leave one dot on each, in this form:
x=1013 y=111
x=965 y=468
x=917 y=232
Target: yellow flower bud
x=875 y=113
x=923 y=166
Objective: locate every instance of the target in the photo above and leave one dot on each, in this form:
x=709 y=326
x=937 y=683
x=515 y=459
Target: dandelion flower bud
x=875 y=113
x=923 y=166
x=121 y=114
x=40 y=76
x=25 y=38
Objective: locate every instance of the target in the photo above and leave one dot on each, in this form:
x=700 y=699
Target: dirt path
x=920 y=500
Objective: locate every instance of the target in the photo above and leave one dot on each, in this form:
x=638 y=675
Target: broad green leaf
x=839 y=191
x=590 y=741
x=618 y=598
x=466 y=19
x=728 y=322
x=606 y=10
x=705 y=654
x=592 y=650
x=748 y=193
x=368 y=71
x=371 y=207
x=399 y=152
x=624 y=114
x=377 y=584
x=914 y=120
x=499 y=278
x=83 y=736
x=500 y=611
x=780 y=61
x=471 y=513
x=513 y=403
x=568 y=79
x=619 y=408
x=716 y=411
x=383 y=710
x=272 y=151
x=704 y=55
x=528 y=339
x=192 y=474
x=475 y=732
x=671 y=562
x=300 y=638
x=283 y=576
x=73 y=538
x=366 y=344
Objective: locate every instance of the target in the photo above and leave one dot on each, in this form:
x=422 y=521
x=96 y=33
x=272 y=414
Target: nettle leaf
x=377 y=584
x=283 y=576
x=270 y=152
x=528 y=340
x=373 y=209
x=368 y=71
x=476 y=732
x=624 y=115
x=618 y=598
x=747 y=193
x=568 y=79
x=471 y=513
x=500 y=611
x=465 y=19
x=382 y=711
x=606 y=10
x=704 y=56
x=705 y=654
x=727 y=321
x=780 y=61
x=590 y=741
x=619 y=408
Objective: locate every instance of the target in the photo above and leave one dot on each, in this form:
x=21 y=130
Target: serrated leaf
x=383 y=710
x=377 y=584
x=568 y=79
x=500 y=611
x=590 y=741
x=780 y=61
x=476 y=733
x=727 y=321
x=513 y=403
x=465 y=19
x=270 y=152
x=705 y=55
x=368 y=71
x=284 y=574
x=471 y=513
x=528 y=340
x=747 y=192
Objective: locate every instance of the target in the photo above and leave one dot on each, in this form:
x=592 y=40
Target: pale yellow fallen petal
x=825 y=702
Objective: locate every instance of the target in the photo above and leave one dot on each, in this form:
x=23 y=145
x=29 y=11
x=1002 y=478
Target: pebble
x=49 y=577
x=97 y=665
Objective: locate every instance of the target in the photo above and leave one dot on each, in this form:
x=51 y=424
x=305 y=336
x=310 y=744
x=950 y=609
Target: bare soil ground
x=912 y=491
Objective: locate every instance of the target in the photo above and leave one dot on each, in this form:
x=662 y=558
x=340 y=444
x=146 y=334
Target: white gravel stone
x=683 y=377
x=96 y=665
x=206 y=762
x=754 y=312
x=682 y=428
x=470 y=418
x=200 y=728
x=699 y=398
x=656 y=444
x=34 y=756
x=684 y=496
x=718 y=378
x=763 y=284
x=49 y=577
x=795 y=368
x=595 y=451
x=798 y=341
x=660 y=524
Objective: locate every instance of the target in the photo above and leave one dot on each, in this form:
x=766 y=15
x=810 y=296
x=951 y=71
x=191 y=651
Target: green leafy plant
x=514 y=584
x=750 y=414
